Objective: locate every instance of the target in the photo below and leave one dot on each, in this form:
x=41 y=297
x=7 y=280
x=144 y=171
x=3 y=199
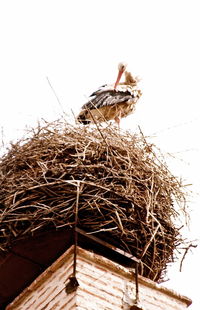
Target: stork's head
x=121 y=67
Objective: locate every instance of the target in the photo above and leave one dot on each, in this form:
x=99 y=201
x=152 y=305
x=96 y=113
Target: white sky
x=77 y=45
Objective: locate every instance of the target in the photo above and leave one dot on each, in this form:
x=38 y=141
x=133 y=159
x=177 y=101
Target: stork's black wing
x=107 y=96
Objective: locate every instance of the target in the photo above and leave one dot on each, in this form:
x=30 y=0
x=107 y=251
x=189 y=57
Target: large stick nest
x=122 y=191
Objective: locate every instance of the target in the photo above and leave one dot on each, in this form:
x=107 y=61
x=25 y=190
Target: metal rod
x=136 y=283
x=75 y=252
x=75 y=226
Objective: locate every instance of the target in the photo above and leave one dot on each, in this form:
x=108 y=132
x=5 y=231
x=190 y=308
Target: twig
x=55 y=95
x=149 y=242
x=184 y=255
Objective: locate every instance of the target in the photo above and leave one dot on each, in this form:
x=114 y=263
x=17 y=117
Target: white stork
x=112 y=102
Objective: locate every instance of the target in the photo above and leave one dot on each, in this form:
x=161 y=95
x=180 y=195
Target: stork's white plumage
x=112 y=102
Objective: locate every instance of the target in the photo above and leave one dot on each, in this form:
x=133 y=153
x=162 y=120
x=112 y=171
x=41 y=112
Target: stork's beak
x=118 y=78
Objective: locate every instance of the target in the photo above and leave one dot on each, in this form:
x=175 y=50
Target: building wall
x=103 y=285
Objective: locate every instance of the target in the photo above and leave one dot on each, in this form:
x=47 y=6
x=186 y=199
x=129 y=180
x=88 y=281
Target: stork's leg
x=118 y=119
